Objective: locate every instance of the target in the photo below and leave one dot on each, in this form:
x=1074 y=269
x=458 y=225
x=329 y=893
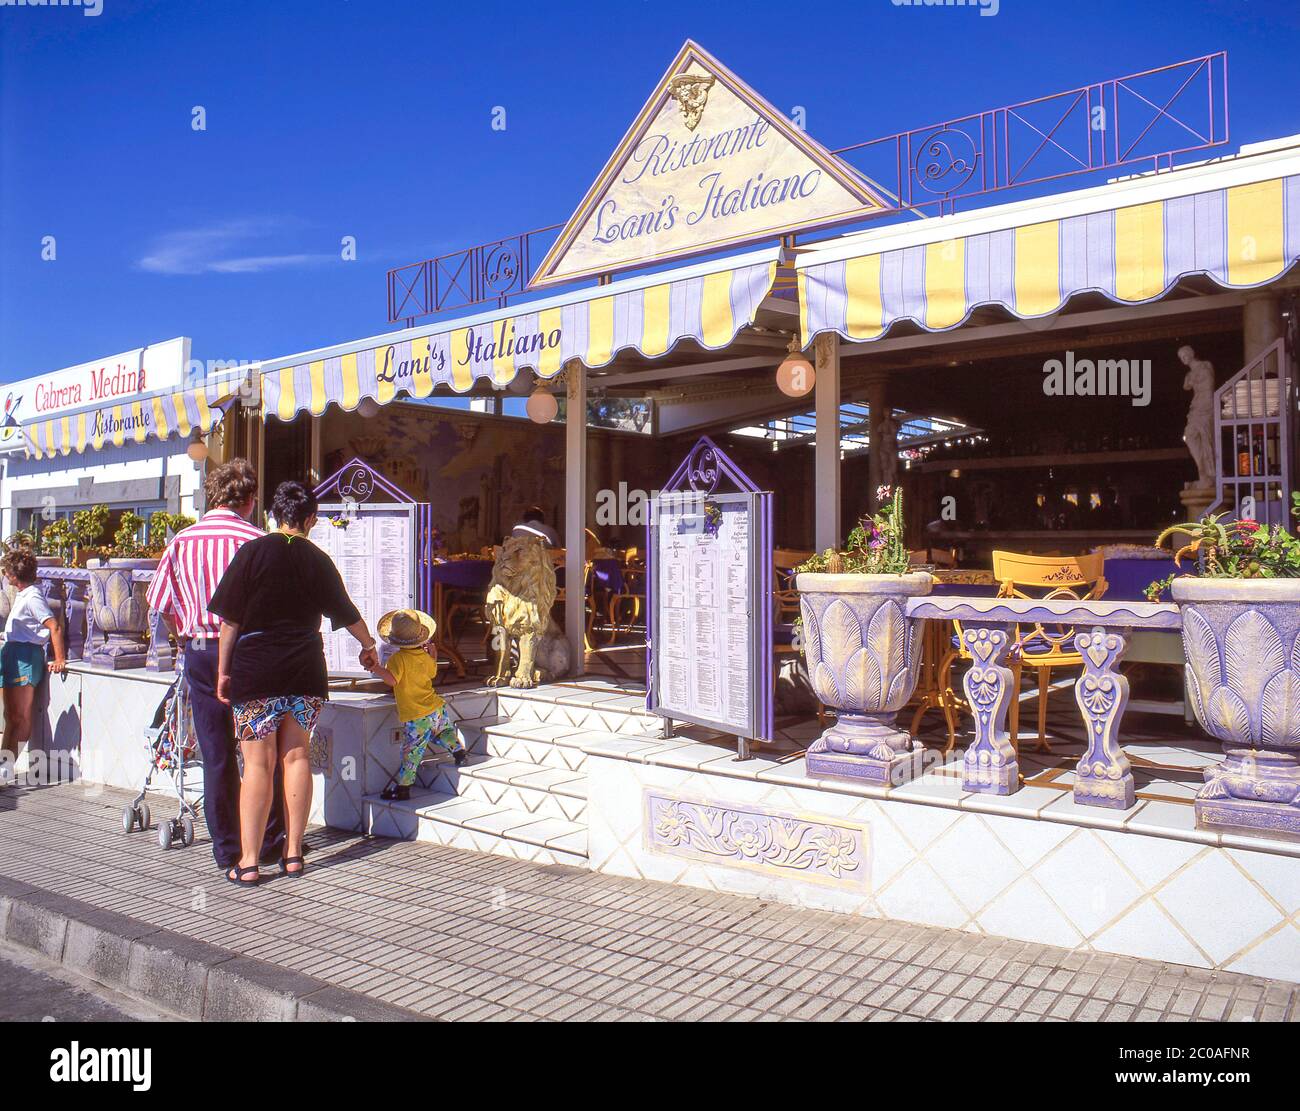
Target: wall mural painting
x=477 y=473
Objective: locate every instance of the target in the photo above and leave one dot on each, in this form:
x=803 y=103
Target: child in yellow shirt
x=410 y=671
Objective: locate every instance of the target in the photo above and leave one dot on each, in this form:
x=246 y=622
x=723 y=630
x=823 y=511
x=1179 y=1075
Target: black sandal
x=396 y=793
x=286 y=861
x=240 y=873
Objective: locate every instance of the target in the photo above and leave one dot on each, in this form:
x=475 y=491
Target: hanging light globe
x=542 y=406
x=796 y=376
x=368 y=408
x=197 y=450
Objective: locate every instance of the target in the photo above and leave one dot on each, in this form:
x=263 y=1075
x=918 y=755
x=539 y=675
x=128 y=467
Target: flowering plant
x=875 y=546
x=1240 y=549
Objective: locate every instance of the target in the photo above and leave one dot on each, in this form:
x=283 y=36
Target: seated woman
x=271 y=666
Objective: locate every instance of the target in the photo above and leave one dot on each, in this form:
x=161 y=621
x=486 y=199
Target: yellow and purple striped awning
x=709 y=308
x=132 y=421
x=1241 y=236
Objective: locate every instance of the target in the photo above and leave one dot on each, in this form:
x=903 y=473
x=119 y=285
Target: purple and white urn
x=1242 y=641
x=863 y=655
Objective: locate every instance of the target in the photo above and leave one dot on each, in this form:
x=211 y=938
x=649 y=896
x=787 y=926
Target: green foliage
x=20 y=539
x=126 y=541
x=88 y=525
x=1234 y=549
x=160 y=524
x=876 y=546
x=57 y=539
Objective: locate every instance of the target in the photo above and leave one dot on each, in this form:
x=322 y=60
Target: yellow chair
x=1043 y=647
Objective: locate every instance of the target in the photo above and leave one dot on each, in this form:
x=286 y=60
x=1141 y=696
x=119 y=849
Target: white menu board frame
x=706 y=649
x=340 y=649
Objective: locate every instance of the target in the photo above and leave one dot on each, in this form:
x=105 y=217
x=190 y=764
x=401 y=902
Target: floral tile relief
x=811 y=849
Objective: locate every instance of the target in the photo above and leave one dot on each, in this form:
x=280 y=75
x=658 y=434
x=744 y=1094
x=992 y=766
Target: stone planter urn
x=863 y=656
x=1242 y=641
x=119 y=613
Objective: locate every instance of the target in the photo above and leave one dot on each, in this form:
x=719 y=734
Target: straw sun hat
x=406 y=628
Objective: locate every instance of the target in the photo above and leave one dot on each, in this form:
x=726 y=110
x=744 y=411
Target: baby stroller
x=171 y=744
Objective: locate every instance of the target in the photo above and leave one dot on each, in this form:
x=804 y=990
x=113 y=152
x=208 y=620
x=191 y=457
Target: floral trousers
x=418 y=735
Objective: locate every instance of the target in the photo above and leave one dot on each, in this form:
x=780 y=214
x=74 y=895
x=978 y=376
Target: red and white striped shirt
x=191 y=567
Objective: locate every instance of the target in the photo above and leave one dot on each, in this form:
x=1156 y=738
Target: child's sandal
x=286 y=861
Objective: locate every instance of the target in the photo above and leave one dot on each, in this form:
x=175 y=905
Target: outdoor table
x=1104 y=776
x=455 y=574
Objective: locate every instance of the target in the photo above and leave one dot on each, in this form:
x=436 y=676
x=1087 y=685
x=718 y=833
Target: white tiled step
x=605 y=709
x=443 y=819
x=556 y=792
x=543 y=743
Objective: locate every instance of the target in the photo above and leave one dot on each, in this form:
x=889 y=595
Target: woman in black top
x=271 y=666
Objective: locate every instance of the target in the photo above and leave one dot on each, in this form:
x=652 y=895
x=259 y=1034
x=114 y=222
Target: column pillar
x=878 y=404
x=1261 y=326
x=826 y=466
x=575 y=512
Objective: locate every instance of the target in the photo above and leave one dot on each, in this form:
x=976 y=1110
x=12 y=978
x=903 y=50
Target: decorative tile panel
x=813 y=850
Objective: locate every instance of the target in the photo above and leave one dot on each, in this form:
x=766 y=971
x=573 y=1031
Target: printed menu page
x=703 y=646
x=374 y=556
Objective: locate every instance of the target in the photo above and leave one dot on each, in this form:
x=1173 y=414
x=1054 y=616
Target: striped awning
x=158 y=415
x=1240 y=236
x=648 y=315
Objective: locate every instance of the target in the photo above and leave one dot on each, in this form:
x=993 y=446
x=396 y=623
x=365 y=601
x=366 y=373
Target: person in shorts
x=30 y=628
x=271 y=667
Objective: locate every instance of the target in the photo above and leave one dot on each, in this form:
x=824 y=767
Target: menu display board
x=707 y=598
x=374 y=553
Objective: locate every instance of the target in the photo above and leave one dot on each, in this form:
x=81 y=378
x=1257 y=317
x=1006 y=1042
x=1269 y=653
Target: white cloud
x=222 y=249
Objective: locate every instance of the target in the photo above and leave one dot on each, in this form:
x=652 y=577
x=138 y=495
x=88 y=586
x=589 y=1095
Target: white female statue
x=1199 y=433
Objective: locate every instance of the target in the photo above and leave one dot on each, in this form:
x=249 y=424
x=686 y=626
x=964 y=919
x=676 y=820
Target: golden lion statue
x=519 y=602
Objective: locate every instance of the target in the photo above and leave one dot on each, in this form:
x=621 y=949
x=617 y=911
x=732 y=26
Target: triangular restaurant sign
x=707 y=164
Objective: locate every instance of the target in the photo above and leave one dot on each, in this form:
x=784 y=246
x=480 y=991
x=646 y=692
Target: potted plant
x=118 y=600
x=88 y=527
x=1241 y=636
x=862 y=651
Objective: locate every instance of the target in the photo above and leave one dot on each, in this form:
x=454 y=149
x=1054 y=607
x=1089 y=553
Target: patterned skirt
x=261 y=717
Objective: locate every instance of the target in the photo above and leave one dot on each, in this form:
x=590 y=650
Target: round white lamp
x=796 y=376
x=542 y=406
x=368 y=408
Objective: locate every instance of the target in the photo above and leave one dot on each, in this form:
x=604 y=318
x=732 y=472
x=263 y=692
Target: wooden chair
x=633 y=592
x=557 y=560
x=1046 y=648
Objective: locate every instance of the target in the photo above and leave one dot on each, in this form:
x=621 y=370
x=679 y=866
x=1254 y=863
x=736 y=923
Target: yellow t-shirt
x=414 y=669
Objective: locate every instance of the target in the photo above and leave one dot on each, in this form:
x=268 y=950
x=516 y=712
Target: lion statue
x=519 y=602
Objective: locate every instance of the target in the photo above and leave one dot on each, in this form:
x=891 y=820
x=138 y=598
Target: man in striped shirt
x=186 y=579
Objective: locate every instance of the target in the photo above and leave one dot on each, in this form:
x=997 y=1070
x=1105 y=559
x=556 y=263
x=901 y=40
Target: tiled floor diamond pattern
x=1053 y=883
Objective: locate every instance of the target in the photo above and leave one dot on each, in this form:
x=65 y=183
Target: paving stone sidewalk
x=458 y=935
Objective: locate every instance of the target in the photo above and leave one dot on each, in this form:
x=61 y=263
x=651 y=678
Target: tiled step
x=550 y=792
x=543 y=743
x=604 y=709
x=445 y=819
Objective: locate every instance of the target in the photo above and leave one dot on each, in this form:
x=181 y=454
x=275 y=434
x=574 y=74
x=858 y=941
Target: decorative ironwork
x=1143 y=118
x=702 y=467
x=943 y=169
x=356 y=483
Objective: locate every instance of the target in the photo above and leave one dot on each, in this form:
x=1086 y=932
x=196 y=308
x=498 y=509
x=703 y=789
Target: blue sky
x=373 y=120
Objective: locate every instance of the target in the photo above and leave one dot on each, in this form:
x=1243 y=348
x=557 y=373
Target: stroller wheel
x=143 y=815
x=165 y=835
x=128 y=819
x=187 y=831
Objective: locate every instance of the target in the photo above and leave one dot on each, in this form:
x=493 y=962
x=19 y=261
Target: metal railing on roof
x=1146 y=117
